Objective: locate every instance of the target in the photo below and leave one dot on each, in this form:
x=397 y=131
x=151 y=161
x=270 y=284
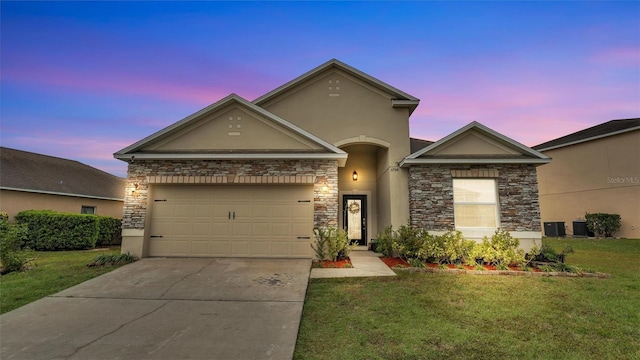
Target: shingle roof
x=27 y=171
x=418 y=144
x=595 y=132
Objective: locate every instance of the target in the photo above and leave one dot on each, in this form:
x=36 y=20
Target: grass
x=54 y=271
x=436 y=315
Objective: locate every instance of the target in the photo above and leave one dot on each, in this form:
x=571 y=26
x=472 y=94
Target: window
x=87 y=209
x=475 y=203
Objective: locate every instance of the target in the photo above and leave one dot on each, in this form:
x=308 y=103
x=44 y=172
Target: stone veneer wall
x=317 y=172
x=431 y=195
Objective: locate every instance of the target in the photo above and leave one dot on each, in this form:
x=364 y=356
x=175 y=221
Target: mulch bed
x=340 y=264
x=401 y=264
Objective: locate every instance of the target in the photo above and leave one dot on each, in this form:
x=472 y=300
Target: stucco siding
x=13 y=202
x=353 y=110
x=601 y=175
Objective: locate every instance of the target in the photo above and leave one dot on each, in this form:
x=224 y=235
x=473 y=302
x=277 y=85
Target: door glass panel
x=354 y=219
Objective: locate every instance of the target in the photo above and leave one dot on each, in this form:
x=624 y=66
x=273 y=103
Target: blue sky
x=82 y=80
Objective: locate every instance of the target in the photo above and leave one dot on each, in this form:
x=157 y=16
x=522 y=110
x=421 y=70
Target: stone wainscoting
x=431 y=195
x=323 y=174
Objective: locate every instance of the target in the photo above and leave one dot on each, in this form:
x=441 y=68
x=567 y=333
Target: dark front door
x=354 y=218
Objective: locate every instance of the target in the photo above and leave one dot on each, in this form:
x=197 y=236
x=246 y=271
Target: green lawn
x=54 y=271
x=447 y=316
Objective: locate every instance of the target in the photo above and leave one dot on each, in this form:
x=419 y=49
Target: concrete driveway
x=161 y=308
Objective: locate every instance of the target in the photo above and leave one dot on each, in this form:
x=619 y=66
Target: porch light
x=325 y=187
x=354 y=176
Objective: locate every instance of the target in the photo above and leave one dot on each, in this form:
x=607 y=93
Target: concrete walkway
x=365 y=264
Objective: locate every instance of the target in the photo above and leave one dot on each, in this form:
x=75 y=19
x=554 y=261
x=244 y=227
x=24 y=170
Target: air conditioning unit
x=554 y=229
x=580 y=229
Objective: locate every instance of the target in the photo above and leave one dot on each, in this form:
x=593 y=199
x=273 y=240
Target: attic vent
x=334 y=87
x=234 y=126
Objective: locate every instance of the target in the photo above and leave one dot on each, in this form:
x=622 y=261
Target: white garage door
x=228 y=220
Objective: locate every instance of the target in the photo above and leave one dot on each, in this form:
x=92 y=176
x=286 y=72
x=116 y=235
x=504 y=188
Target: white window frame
x=495 y=203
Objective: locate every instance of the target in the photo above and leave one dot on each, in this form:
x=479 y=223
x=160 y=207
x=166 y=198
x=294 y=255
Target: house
x=30 y=181
x=593 y=170
x=329 y=148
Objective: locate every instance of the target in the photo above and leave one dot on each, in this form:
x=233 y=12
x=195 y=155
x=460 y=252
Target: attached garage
x=231 y=220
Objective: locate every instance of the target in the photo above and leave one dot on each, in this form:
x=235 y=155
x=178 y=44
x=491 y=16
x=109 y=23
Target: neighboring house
x=593 y=170
x=329 y=148
x=30 y=181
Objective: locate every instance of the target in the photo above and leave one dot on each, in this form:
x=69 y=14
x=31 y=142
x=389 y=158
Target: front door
x=354 y=209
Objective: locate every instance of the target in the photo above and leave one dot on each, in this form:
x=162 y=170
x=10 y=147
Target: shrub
x=331 y=244
x=408 y=241
x=12 y=256
x=109 y=230
x=49 y=230
x=450 y=247
x=548 y=254
x=604 y=225
x=385 y=241
x=112 y=259
x=502 y=249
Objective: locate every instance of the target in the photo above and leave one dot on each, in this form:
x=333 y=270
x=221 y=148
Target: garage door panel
x=281 y=248
x=260 y=248
x=200 y=247
x=241 y=229
x=261 y=211
x=181 y=229
x=300 y=249
x=182 y=210
x=281 y=211
x=240 y=248
x=181 y=247
x=261 y=229
x=281 y=229
x=221 y=248
x=202 y=211
x=198 y=220
x=201 y=228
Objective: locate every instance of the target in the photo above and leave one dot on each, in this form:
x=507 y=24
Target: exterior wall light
x=354 y=176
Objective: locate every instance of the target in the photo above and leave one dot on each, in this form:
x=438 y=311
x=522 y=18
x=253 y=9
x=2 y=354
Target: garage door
x=228 y=220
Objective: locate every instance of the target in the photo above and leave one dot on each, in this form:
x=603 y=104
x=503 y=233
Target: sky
x=82 y=80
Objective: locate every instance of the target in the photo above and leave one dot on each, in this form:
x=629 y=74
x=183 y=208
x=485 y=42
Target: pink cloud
x=119 y=83
x=622 y=56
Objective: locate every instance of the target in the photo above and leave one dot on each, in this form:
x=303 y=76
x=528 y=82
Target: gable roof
x=31 y=172
x=610 y=128
x=135 y=151
x=401 y=98
x=418 y=144
x=515 y=153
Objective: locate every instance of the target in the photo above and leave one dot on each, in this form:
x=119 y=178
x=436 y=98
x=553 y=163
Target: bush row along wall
x=49 y=230
x=431 y=195
x=322 y=172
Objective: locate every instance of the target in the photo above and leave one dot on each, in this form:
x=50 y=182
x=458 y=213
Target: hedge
x=50 y=230
x=109 y=230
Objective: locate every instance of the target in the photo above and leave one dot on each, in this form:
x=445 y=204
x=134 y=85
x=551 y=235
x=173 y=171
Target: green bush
x=12 y=256
x=603 y=225
x=502 y=248
x=109 y=230
x=331 y=244
x=385 y=241
x=408 y=242
x=448 y=248
x=49 y=230
x=112 y=259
